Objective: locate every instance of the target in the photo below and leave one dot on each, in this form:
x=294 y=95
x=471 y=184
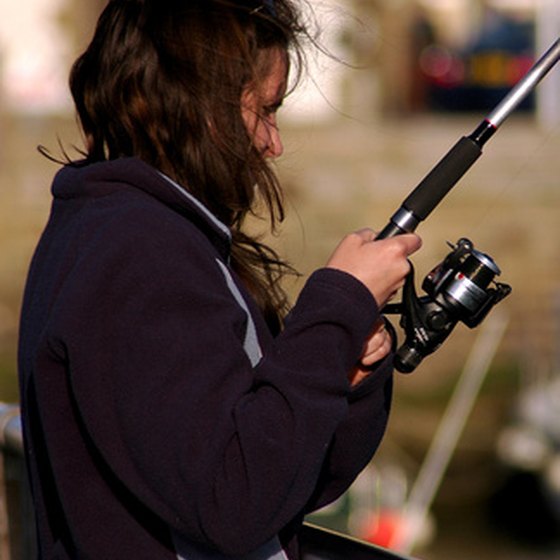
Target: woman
x=170 y=410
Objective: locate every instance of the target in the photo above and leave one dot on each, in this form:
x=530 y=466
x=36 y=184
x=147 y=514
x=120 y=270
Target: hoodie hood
x=83 y=180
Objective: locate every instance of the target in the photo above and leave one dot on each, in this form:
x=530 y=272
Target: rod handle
x=429 y=193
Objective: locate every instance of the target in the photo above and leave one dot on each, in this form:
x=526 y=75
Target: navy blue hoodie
x=161 y=418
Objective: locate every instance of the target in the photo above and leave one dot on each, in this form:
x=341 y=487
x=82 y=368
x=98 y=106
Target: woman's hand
x=381 y=265
x=376 y=347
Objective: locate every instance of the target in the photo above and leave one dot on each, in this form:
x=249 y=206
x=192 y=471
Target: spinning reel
x=462 y=287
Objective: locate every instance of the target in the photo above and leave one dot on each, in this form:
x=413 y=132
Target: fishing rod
x=462 y=287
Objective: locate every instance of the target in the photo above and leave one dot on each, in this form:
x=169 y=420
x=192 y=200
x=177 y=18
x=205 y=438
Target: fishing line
x=518 y=176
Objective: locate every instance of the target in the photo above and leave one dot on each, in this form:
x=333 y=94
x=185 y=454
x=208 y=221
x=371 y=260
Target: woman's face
x=259 y=105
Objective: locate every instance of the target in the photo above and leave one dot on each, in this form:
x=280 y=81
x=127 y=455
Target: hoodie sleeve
x=227 y=454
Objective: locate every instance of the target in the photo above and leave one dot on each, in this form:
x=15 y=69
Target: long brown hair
x=162 y=80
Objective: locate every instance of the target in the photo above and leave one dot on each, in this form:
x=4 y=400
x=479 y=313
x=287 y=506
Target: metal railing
x=17 y=533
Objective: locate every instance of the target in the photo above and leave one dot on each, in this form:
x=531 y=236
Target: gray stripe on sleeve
x=272 y=550
x=251 y=344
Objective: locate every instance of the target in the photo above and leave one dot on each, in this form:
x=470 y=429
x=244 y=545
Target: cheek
x=249 y=119
x=259 y=129
x=261 y=135
x=256 y=128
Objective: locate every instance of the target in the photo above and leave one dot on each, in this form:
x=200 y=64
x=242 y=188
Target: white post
x=548 y=93
x=449 y=431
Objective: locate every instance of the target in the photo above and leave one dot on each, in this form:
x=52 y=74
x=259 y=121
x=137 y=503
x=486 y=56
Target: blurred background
x=405 y=80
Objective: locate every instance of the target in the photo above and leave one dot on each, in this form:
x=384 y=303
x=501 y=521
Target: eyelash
x=271 y=109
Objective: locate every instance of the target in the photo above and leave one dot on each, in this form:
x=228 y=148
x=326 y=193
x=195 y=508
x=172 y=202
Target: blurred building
x=38 y=41
x=449 y=55
x=404 y=56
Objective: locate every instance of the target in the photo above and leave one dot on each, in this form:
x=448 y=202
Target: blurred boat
x=529 y=448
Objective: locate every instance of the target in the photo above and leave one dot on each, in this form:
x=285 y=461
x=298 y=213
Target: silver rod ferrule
x=405 y=220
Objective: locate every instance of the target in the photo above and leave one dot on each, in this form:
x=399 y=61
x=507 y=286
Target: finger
x=377 y=343
x=366 y=234
x=411 y=243
x=393 y=294
x=380 y=353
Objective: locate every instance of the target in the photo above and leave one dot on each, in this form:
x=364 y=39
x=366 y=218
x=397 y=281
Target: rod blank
x=445 y=175
x=525 y=85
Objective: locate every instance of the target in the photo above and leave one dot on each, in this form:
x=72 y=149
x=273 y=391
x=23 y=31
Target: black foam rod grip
x=442 y=178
